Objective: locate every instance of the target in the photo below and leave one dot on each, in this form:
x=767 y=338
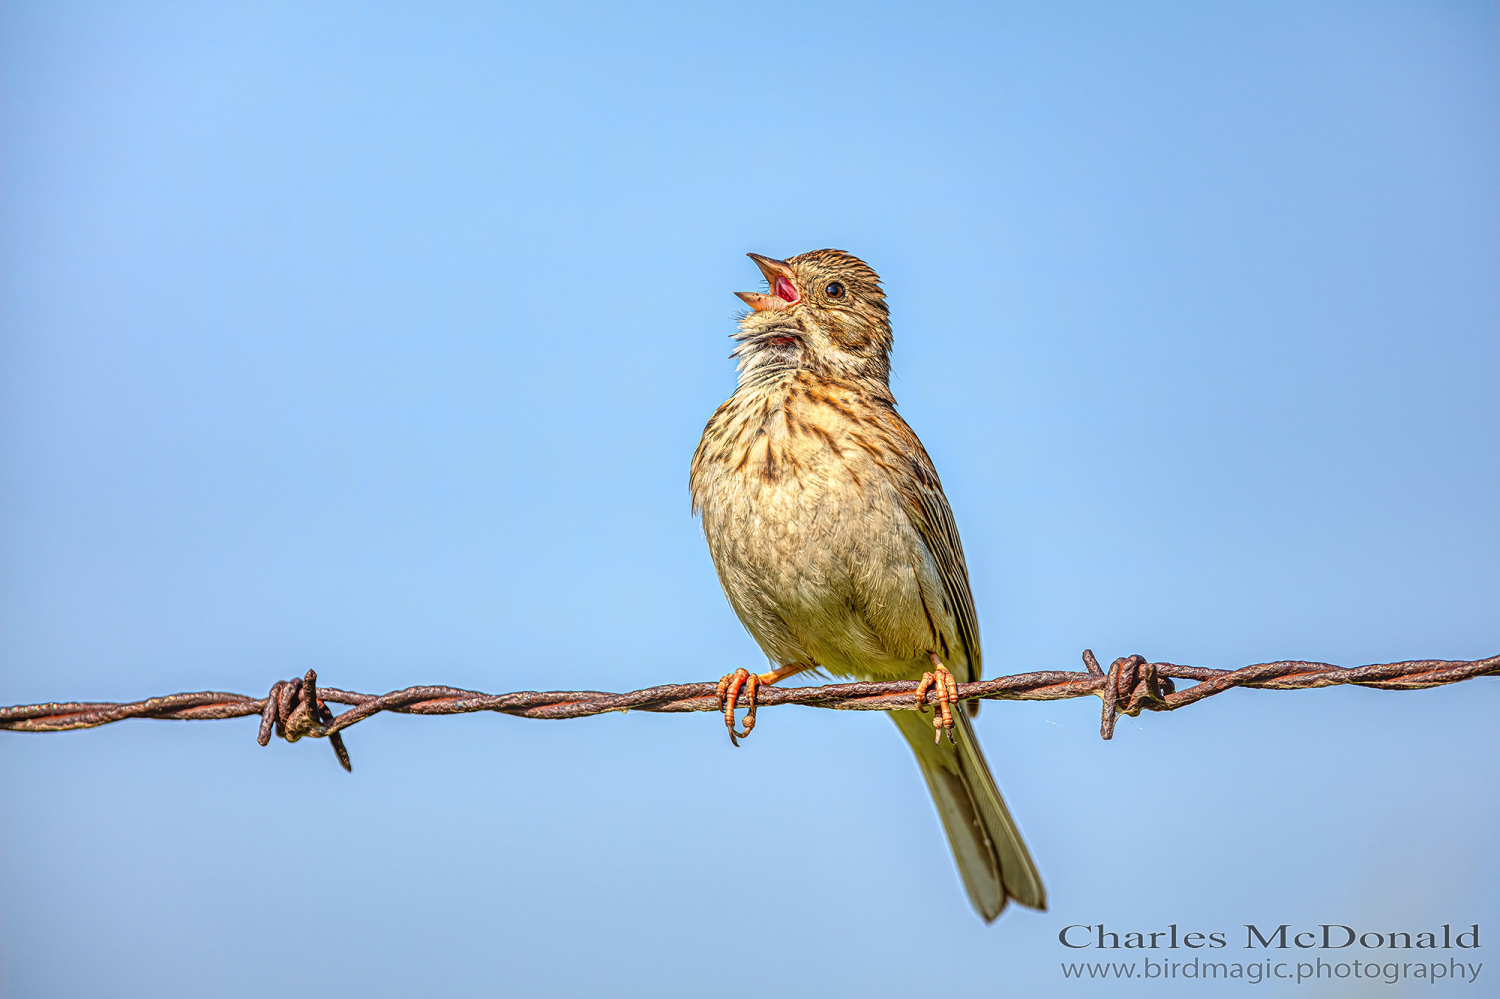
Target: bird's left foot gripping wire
x=945 y=696
x=294 y=709
x=729 y=694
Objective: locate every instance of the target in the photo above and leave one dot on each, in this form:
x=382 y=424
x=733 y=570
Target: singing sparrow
x=836 y=546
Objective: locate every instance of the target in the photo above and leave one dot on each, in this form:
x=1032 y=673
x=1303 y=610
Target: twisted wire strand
x=299 y=707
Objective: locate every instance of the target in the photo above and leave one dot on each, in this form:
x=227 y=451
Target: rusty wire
x=299 y=707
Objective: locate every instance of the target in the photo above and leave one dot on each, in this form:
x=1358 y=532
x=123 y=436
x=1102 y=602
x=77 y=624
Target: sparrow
x=836 y=547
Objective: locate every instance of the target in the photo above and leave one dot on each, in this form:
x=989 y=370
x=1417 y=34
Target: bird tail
x=987 y=847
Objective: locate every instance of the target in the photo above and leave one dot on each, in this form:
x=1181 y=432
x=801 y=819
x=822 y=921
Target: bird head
x=823 y=311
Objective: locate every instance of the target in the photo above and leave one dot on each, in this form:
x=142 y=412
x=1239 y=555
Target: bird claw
x=945 y=689
x=729 y=692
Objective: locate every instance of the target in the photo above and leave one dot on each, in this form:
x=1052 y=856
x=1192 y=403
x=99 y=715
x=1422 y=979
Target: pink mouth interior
x=785 y=290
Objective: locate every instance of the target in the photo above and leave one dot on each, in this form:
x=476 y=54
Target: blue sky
x=377 y=338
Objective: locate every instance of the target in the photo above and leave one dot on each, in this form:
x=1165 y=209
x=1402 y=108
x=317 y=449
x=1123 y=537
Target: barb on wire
x=299 y=707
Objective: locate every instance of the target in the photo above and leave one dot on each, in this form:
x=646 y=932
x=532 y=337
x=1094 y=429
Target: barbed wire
x=299 y=707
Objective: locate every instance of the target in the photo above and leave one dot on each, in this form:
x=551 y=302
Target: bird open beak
x=783 y=289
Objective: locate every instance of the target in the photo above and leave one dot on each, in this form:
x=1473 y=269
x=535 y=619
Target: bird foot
x=729 y=694
x=945 y=696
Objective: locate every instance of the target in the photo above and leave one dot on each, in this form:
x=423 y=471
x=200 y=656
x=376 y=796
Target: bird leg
x=729 y=692
x=781 y=673
x=945 y=690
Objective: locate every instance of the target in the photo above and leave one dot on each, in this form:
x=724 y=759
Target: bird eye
x=834 y=290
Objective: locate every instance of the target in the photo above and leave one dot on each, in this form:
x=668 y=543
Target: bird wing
x=927 y=509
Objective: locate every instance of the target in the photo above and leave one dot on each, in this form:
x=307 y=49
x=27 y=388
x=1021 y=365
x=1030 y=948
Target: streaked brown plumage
x=834 y=542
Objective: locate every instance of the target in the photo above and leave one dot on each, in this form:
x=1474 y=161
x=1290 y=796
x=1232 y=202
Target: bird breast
x=807 y=532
